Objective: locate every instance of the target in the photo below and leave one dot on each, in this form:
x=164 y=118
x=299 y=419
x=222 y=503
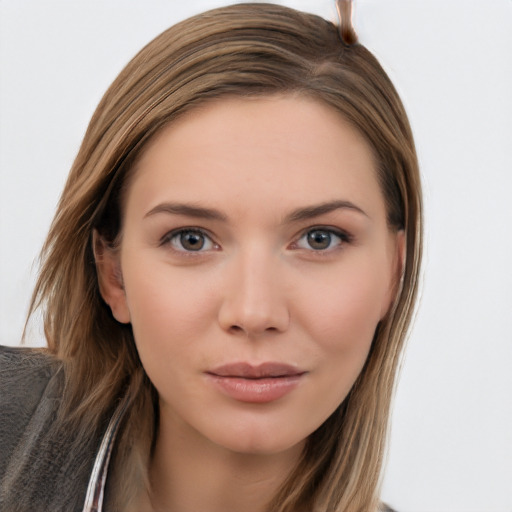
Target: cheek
x=342 y=321
x=169 y=310
x=344 y=313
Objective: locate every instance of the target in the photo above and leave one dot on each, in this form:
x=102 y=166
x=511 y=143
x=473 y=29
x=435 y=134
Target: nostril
x=237 y=329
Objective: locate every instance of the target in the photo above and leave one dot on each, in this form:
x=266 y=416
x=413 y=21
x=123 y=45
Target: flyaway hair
x=347 y=33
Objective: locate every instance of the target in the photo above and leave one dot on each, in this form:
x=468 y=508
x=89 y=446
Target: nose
x=254 y=297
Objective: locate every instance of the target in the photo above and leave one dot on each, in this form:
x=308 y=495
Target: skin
x=256 y=291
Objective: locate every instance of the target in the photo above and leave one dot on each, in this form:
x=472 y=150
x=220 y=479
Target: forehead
x=289 y=147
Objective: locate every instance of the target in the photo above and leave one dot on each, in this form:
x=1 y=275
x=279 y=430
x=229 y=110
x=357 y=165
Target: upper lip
x=249 y=371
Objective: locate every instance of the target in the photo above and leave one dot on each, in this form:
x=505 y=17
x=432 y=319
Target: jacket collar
x=96 y=488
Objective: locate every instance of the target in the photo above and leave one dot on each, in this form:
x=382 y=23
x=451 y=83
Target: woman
x=227 y=283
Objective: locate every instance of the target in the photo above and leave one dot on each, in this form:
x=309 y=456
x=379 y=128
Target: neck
x=190 y=473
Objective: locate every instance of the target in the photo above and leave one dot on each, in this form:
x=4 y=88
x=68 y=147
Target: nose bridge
x=254 y=300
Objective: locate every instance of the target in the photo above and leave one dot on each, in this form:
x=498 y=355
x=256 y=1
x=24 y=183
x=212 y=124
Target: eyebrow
x=311 y=212
x=189 y=210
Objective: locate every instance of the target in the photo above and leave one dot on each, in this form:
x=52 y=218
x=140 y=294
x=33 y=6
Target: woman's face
x=256 y=263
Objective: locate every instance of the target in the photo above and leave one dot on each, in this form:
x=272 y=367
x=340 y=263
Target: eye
x=189 y=240
x=321 y=239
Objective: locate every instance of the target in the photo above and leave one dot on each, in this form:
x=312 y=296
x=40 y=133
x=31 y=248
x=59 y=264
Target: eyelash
x=172 y=239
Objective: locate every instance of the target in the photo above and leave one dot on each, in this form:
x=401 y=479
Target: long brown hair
x=241 y=50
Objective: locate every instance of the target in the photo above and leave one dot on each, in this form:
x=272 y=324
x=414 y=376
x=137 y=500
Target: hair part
x=243 y=50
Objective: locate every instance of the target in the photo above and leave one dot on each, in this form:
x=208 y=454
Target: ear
x=398 y=255
x=110 y=279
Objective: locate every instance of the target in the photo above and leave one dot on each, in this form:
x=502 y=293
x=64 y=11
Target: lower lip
x=256 y=391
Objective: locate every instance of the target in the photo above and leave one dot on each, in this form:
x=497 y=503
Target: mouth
x=261 y=371
x=263 y=383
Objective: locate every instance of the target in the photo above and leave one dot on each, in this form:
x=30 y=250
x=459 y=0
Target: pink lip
x=255 y=384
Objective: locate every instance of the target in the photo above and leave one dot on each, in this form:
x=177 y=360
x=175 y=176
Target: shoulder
x=24 y=376
x=41 y=467
x=16 y=359
x=45 y=462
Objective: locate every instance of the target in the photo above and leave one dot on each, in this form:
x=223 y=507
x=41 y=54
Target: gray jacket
x=41 y=469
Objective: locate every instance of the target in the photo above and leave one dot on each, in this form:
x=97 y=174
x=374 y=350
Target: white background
x=451 y=60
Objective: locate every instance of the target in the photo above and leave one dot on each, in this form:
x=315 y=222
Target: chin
x=251 y=440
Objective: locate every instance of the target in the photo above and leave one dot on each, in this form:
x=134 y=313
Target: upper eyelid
x=342 y=233
x=195 y=229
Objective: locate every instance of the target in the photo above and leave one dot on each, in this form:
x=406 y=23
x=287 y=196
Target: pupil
x=319 y=239
x=192 y=241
